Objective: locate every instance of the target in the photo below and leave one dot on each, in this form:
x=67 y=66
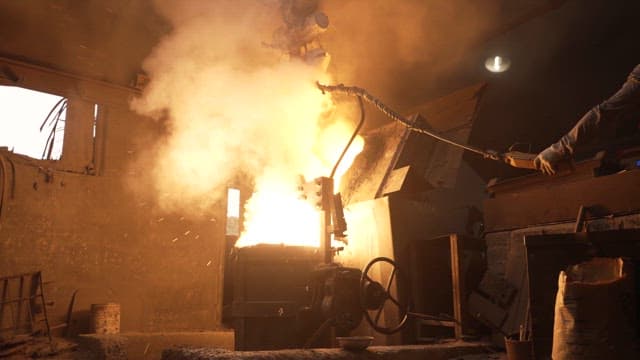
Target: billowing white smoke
x=233 y=105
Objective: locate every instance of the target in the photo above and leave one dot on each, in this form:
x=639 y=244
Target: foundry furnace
x=364 y=177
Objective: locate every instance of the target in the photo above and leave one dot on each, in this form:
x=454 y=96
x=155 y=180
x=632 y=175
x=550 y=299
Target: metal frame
x=23 y=298
x=459 y=293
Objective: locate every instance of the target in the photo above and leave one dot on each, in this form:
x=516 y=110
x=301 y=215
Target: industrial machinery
x=335 y=298
x=343 y=296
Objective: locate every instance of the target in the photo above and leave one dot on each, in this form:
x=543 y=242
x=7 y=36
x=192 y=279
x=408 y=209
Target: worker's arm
x=625 y=99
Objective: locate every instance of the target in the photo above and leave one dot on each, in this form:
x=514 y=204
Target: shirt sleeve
x=626 y=99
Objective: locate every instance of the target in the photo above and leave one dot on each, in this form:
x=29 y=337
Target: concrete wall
x=81 y=224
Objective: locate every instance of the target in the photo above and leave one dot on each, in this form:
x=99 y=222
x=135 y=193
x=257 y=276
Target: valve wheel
x=374 y=297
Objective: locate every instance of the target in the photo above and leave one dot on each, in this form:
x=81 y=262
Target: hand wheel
x=374 y=297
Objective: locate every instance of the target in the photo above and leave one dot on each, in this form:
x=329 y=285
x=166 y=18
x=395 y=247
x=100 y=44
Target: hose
x=363 y=94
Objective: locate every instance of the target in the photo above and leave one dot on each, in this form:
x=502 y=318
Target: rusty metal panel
x=270 y=289
x=451 y=116
x=429 y=163
x=364 y=178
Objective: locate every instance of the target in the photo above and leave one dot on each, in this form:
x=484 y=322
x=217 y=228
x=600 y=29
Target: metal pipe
x=353 y=136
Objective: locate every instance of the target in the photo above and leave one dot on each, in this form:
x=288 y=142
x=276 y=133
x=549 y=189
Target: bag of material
x=595 y=312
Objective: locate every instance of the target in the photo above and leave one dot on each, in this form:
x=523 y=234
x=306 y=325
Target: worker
x=619 y=114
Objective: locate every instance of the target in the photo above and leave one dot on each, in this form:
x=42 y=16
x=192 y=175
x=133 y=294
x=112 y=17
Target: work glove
x=548 y=159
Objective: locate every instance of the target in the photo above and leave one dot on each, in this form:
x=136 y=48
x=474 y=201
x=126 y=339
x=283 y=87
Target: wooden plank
x=565 y=174
x=607 y=195
x=457 y=284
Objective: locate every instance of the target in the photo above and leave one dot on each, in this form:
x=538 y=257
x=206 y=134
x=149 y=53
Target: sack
x=595 y=312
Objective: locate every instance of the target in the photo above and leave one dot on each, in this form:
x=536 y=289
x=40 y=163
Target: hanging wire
x=52 y=120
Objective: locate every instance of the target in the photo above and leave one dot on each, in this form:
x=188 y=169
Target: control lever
x=520 y=160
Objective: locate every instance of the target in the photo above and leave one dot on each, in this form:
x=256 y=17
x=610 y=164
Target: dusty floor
x=38 y=347
x=443 y=351
x=23 y=348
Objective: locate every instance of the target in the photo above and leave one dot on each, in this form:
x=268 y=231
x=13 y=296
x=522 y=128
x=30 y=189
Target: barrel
x=518 y=349
x=105 y=318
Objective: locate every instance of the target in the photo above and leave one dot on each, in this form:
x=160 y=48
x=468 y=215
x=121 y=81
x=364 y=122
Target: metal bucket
x=105 y=318
x=518 y=349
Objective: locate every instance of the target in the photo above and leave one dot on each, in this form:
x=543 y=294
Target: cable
x=362 y=93
x=53 y=121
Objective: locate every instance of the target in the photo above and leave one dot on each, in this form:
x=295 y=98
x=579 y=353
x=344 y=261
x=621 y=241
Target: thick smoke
x=395 y=48
x=233 y=104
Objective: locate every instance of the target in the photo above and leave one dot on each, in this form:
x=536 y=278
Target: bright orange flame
x=330 y=145
x=276 y=214
x=235 y=107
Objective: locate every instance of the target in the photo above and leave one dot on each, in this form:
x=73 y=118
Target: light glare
x=497 y=64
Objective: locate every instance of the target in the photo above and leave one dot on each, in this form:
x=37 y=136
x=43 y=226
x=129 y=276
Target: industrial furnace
x=270 y=289
x=294 y=297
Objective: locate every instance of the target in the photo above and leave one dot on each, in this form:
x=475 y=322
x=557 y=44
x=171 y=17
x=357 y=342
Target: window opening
x=22 y=128
x=233 y=212
x=96 y=109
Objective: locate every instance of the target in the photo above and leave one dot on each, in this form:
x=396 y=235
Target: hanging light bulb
x=497 y=64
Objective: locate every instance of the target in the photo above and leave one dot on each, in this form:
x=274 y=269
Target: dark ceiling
x=564 y=60
x=563 y=64
x=100 y=39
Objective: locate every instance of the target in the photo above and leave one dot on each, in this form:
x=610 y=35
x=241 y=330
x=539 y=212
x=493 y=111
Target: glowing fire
x=233 y=107
x=276 y=214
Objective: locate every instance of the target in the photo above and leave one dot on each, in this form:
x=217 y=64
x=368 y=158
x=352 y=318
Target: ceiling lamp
x=497 y=64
